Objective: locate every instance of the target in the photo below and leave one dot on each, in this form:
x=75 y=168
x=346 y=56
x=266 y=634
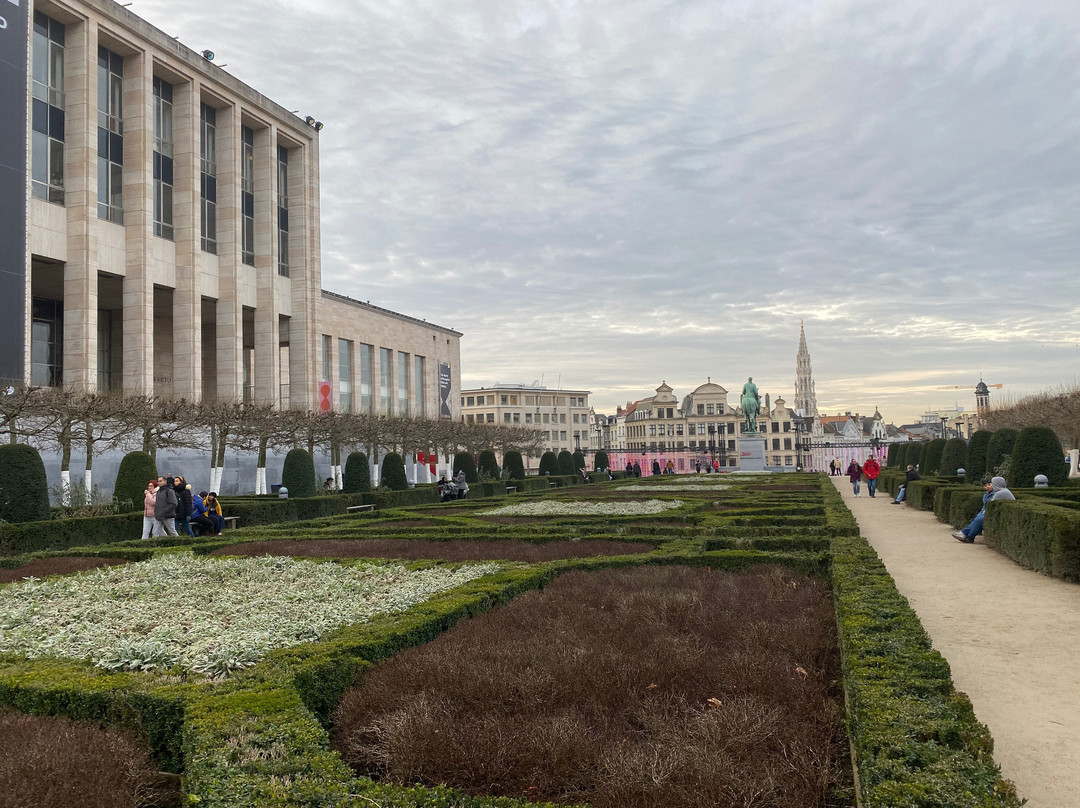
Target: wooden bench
x=511 y=489
x=230 y=521
x=359 y=508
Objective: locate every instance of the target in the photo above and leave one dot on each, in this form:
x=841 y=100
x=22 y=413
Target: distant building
x=562 y=417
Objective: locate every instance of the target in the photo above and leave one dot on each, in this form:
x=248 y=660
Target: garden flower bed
x=58 y=565
x=705 y=486
x=528 y=552
x=210 y=616
x=580 y=508
x=654 y=687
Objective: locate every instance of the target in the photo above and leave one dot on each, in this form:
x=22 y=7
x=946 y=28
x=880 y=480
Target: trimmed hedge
x=891 y=458
x=24 y=489
x=59 y=534
x=463 y=461
x=1037 y=451
x=566 y=464
x=952 y=457
x=514 y=465
x=298 y=473
x=356 y=478
x=579 y=461
x=1037 y=535
x=549 y=464
x=136 y=470
x=999 y=447
x=600 y=460
x=932 y=456
x=487 y=464
x=976 y=456
x=393 y=473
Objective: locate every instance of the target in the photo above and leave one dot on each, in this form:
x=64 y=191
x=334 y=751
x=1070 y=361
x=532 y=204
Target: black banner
x=445 y=410
x=14 y=39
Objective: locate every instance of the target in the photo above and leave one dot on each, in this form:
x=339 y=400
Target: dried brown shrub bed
x=445 y=550
x=648 y=687
x=41 y=567
x=57 y=763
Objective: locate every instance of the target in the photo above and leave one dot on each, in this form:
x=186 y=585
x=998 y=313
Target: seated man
x=996 y=491
x=911 y=476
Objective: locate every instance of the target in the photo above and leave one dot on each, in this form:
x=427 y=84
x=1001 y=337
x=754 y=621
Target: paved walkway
x=1011 y=636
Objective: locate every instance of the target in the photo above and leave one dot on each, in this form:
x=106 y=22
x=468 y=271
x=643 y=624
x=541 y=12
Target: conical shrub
x=393 y=473
x=513 y=465
x=1037 y=451
x=600 y=460
x=24 y=489
x=975 y=464
x=566 y=463
x=999 y=448
x=549 y=464
x=953 y=457
x=464 y=461
x=356 y=479
x=298 y=473
x=136 y=470
x=487 y=466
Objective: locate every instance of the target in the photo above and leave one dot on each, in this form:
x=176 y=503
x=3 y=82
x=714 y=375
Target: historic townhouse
x=172 y=239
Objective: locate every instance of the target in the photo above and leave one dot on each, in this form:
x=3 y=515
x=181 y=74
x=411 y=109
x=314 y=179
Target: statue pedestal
x=752 y=452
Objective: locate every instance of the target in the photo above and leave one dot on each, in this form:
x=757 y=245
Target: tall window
x=110 y=136
x=208 y=177
x=163 y=158
x=325 y=358
x=418 y=386
x=47 y=343
x=366 y=359
x=47 y=140
x=283 y=210
x=402 y=383
x=386 y=380
x=104 y=350
x=247 y=194
x=345 y=374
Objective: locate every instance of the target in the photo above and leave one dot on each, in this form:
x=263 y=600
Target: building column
x=80 y=179
x=306 y=276
x=187 y=299
x=139 y=370
x=230 y=309
x=266 y=309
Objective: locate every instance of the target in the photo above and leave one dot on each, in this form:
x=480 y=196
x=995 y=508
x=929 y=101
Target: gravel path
x=1009 y=634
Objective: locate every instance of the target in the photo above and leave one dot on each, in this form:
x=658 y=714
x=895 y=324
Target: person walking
x=149 y=501
x=871 y=468
x=637 y=469
x=461 y=484
x=854 y=473
x=995 y=492
x=910 y=477
x=165 y=507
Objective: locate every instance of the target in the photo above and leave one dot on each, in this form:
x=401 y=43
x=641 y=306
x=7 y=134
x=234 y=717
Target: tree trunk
x=88 y=477
x=260 y=471
x=65 y=465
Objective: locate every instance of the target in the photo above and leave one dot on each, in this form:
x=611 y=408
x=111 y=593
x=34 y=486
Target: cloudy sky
x=609 y=194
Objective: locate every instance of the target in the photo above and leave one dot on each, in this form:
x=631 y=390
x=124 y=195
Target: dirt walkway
x=1011 y=636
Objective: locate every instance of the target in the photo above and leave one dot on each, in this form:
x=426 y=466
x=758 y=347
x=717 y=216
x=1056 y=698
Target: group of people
x=871 y=468
x=994 y=489
x=453 y=489
x=170 y=506
x=633 y=469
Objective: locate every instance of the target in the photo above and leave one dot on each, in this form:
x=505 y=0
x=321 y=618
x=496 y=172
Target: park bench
x=511 y=489
x=359 y=508
x=231 y=521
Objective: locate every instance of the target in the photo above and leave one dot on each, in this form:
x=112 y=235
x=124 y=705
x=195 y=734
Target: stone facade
x=150 y=298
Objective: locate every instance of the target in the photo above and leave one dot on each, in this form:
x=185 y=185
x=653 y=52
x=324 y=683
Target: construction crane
x=965 y=386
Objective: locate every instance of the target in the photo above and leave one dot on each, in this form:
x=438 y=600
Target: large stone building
x=172 y=238
x=701 y=428
x=562 y=417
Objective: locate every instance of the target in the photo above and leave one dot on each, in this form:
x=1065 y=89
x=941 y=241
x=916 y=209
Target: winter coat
x=149 y=499
x=198 y=507
x=184 y=503
x=871 y=468
x=165 y=504
x=854 y=473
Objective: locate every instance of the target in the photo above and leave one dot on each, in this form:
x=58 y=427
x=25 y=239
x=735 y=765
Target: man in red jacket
x=871 y=468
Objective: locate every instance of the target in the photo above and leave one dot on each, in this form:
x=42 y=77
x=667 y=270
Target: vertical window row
x=163 y=158
x=110 y=136
x=208 y=177
x=402 y=383
x=325 y=377
x=418 y=386
x=247 y=195
x=366 y=360
x=345 y=371
x=386 y=372
x=283 y=210
x=47 y=113
x=47 y=342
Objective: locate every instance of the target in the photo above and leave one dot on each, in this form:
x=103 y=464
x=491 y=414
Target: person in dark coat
x=184 y=504
x=165 y=507
x=854 y=473
x=911 y=476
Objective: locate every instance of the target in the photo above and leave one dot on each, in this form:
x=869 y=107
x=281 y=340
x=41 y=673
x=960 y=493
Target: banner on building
x=445 y=411
x=326 y=400
x=14 y=39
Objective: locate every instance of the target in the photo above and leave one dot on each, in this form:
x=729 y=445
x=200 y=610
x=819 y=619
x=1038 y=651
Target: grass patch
x=528 y=552
x=60 y=565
